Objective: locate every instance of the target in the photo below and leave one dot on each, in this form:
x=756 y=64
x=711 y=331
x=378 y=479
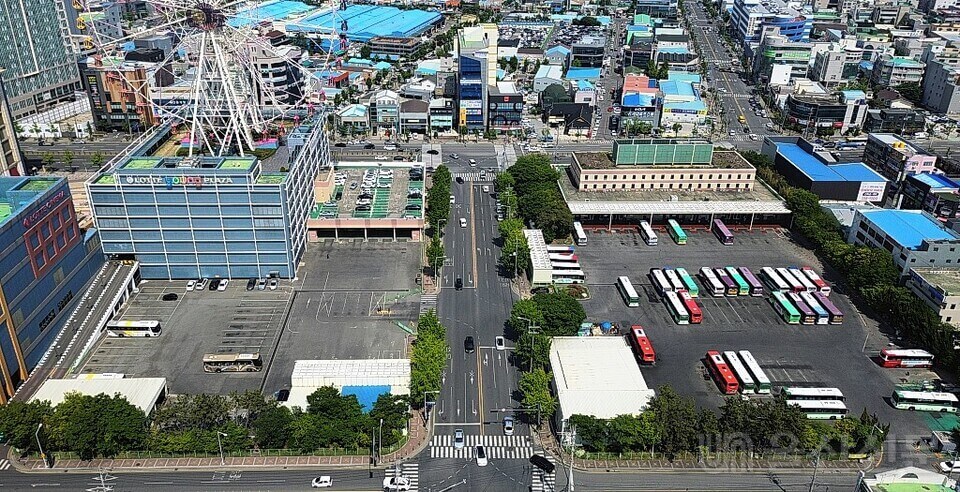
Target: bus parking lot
x=791 y=355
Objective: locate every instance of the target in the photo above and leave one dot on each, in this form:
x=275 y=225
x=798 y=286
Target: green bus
x=676 y=232
x=784 y=308
x=925 y=401
x=743 y=288
x=687 y=280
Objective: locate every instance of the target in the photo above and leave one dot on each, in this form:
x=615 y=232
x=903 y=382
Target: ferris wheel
x=232 y=89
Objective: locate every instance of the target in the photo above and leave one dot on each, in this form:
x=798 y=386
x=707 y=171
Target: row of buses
x=737 y=371
x=730 y=281
x=805 y=308
x=793 y=279
x=678 y=289
x=212 y=363
x=679 y=236
x=817 y=403
x=565 y=265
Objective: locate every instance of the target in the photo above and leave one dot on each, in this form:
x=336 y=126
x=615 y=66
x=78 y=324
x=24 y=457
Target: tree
x=534 y=389
x=271 y=429
x=673 y=416
x=99 y=425
x=47 y=159
x=435 y=253
x=562 y=314
x=586 y=21
x=534 y=349
x=19 y=421
x=365 y=51
x=912 y=91
x=531 y=170
x=524 y=314
x=428 y=357
x=393 y=409
x=676 y=129
x=97 y=159
x=504 y=182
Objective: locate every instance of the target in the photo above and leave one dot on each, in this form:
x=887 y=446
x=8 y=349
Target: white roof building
x=912 y=475
x=143 y=393
x=597 y=376
x=309 y=375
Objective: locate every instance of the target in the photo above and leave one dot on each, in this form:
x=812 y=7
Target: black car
x=412 y=206
x=282 y=395
x=459 y=180
x=369 y=146
x=362 y=208
x=458 y=283
x=433 y=151
x=539 y=290
x=469 y=345
x=340 y=144
x=214 y=283
x=398 y=158
x=251 y=284
x=170 y=296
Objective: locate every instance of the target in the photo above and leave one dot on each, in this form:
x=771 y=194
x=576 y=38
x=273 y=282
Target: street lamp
x=43 y=455
x=220 y=445
x=380 y=441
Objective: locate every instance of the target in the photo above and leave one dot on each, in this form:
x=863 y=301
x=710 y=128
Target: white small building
x=541 y=270
x=911 y=475
x=349 y=376
x=143 y=393
x=546 y=76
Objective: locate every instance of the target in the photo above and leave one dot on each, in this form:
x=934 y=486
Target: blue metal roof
x=856 y=171
x=583 y=85
x=583 y=73
x=906 y=227
x=635 y=100
x=818 y=171
x=697 y=105
x=936 y=181
x=692 y=77
x=677 y=88
x=559 y=49
x=366 y=395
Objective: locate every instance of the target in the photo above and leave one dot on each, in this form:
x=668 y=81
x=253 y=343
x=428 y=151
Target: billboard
x=871 y=192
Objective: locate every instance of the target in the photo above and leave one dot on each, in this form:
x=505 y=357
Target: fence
x=721 y=456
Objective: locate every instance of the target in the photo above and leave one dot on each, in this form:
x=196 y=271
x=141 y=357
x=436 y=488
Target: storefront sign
x=179 y=180
x=44 y=209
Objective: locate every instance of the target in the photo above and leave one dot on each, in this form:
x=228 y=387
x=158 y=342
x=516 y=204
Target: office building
x=504 y=107
x=837 y=65
x=659 y=9
x=477 y=71
x=384 y=108
x=748 y=18
x=891 y=71
x=940 y=289
x=941 y=87
x=414 y=116
x=192 y=217
x=386 y=46
x=902 y=121
x=895 y=158
x=119 y=93
x=11 y=160
x=776 y=50
x=442 y=110
x=826 y=113
x=588 y=52
x=280 y=79
x=795 y=159
x=47 y=262
x=914 y=238
x=935 y=194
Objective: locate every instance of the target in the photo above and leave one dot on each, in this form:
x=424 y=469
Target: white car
x=381 y=158
x=473 y=163
x=453 y=199
x=273 y=284
x=223 y=284
x=201 y=284
x=500 y=343
x=399 y=484
x=463 y=222
x=949 y=466
x=458 y=439
x=322 y=482
x=481 y=456
x=191 y=284
x=508 y=426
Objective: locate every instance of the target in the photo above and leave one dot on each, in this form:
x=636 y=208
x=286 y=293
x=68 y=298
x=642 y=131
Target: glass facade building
x=45 y=265
x=210 y=216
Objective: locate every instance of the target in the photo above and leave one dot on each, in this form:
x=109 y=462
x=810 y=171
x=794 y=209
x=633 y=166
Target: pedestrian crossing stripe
x=487 y=441
x=4 y=464
x=472 y=176
x=469 y=452
x=543 y=481
x=427 y=302
x=410 y=471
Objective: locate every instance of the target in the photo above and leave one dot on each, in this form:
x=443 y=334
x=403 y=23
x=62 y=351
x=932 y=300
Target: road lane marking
x=480 y=392
x=473 y=233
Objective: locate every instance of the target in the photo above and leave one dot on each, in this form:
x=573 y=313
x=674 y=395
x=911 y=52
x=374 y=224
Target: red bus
x=905 y=358
x=721 y=373
x=822 y=286
x=642 y=346
x=696 y=315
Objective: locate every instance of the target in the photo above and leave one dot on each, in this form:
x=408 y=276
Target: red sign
x=44 y=209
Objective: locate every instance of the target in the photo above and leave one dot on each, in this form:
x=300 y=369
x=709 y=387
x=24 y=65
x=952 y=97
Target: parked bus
x=721 y=231
x=836 y=315
x=696 y=315
x=822 y=286
x=823 y=317
x=127 y=328
x=676 y=232
x=688 y=282
x=628 y=292
x=732 y=289
x=791 y=393
x=804 y=280
x=647 y=233
x=565 y=265
x=677 y=310
x=773 y=280
x=807 y=316
x=721 y=373
x=743 y=376
x=578 y=234
x=906 y=358
x=795 y=285
x=642 y=346
x=559 y=249
x=563 y=257
x=783 y=307
x=756 y=287
x=743 y=288
x=232 y=362
x=925 y=401
x=759 y=377
x=673 y=278
x=821 y=409
x=568 y=276
x=711 y=282
x=660 y=281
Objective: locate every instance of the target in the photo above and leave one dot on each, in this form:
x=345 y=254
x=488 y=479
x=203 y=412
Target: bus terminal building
x=659 y=179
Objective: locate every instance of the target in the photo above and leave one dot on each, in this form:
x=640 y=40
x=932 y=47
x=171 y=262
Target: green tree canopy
x=19 y=421
x=562 y=314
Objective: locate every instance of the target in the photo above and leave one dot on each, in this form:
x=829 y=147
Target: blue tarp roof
x=366 y=395
x=866 y=65
x=936 y=181
x=583 y=73
x=818 y=171
x=697 y=105
x=638 y=100
x=583 y=85
x=907 y=228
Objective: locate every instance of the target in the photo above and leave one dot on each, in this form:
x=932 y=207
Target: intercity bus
x=127 y=328
x=676 y=232
x=642 y=346
x=711 y=282
x=696 y=315
x=836 y=315
x=232 y=362
x=743 y=288
x=759 y=377
x=795 y=285
x=823 y=317
x=568 y=276
x=756 y=287
x=565 y=265
x=822 y=286
x=646 y=231
x=722 y=233
x=559 y=249
x=579 y=234
x=802 y=277
x=792 y=393
x=673 y=278
x=721 y=373
x=688 y=282
x=783 y=307
x=821 y=409
x=563 y=257
x=807 y=316
x=628 y=292
x=676 y=308
x=732 y=289
x=925 y=401
x=743 y=376
x=660 y=281
x=773 y=280
x=906 y=358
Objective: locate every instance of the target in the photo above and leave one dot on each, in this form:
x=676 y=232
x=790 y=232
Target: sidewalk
x=419 y=438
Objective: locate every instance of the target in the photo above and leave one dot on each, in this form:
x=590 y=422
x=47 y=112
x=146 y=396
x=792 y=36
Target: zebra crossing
x=497 y=447
x=472 y=176
x=4 y=464
x=428 y=302
x=543 y=481
x=410 y=471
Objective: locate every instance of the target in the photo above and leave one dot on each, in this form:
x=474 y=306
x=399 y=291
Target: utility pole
x=816 y=467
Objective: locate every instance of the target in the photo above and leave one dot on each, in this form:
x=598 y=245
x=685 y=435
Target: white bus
x=565 y=265
x=628 y=292
x=763 y=382
x=792 y=393
x=747 y=385
x=674 y=279
x=579 y=235
x=677 y=310
x=773 y=281
x=711 y=282
x=823 y=317
x=787 y=277
x=127 y=328
x=925 y=401
x=647 y=233
x=232 y=362
x=568 y=256
x=821 y=409
x=660 y=281
x=568 y=276
x=802 y=277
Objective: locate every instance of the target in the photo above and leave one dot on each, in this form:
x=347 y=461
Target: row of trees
x=539 y=201
x=428 y=358
x=869 y=272
x=673 y=424
x=104 y=426
x=438 y=210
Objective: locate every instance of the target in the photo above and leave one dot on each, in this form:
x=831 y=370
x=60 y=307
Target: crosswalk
x=472 y=176
x=543 y=481
x=410 y=471
x=427 y=302
x=4 y=464
x=497 y=447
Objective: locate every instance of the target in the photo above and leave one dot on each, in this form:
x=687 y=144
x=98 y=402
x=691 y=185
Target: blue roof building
x=932 y=193
x=582 y=73
x=914 y=238
x=853 y=181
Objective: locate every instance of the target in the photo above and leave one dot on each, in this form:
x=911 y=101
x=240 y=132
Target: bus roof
x=929 y=395
x=907 y=353
x=229 y=357
x=793 y=391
